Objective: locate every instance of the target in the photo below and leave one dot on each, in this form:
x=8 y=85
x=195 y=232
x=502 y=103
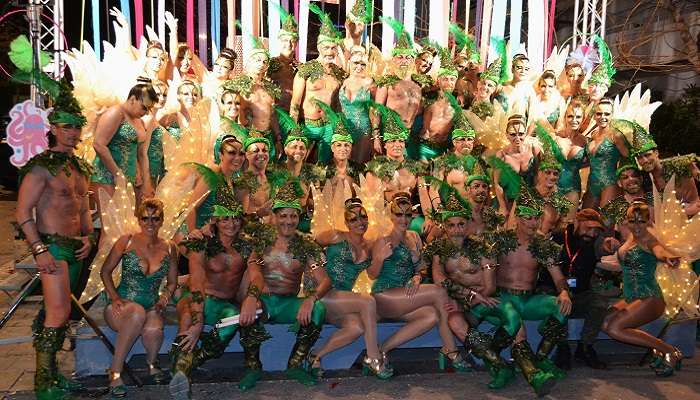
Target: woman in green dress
x=355 y=314
x=642 y=297
x=398 y=270
x=156 y=158
x=136 y=306
x=354 y=95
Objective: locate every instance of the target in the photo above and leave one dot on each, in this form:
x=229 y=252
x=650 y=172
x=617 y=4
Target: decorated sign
x=26 y=133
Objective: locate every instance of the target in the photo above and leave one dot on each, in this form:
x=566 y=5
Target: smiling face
x=286 y=221
x=528 y=225
x=549 y=177
x=630 y=181
x=485 y=88
x=463 y=145
x=287 y=45
x=222 y=68
x=188 y=94
x=424 y=63
x=575 y=75
x=403 y=62
x=296 y=150
x=395 y=149
x=341 y=150
x=638 y=219
x=521 y=69
x=648 y=160
x=401 y=216
x=257 y=64
x=603 y=115
x=478 y=191
x=327 y=52
x=232 y=155
x=358 y=64
x=257 y=155
x=597 y=91
x=66 y=136
x=447 y=83
x=229 y=226
x=455 y=227
x=462 y=65
x=356 y=220
x=150 y=221
x=230 y=105
x=574 y=118
x=547 y=88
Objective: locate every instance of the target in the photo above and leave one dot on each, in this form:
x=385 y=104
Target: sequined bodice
x=570 y=178
x=123 y=149
x=356 y=111
x=136 y=285
x=397 y=269
x=156 y=161
x=341 y=267
x=639 y=274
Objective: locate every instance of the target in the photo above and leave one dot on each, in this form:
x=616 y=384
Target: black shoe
x=562 y=356
x=586 y=354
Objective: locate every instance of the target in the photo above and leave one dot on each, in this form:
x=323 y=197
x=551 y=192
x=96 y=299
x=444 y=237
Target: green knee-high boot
x=541 y=381
x=501 y=340
x=182 y=362
x=47 y=341
x=251 y=338
x=306 y=337
x=553 y=333
x=479 y=344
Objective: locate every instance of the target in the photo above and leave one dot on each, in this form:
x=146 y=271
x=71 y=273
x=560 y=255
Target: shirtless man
x=461 y=265
x=283 y=263
x=400 y=90
x=318 y=79
x=257 y=202
x=284 y=67
x=438 y=115
x=217 y=265
x=521 y=253
x=357 y=19
x=554 y=205
x=54 y=185
x=259 y=96
x=484 y=218
x=486 y=88
x=629 y=179
x=684 y=168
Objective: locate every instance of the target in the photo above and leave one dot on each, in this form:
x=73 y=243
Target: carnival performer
x=573 y=145
x=217 y=268
x=544 y=105
x=188 y=95
x=54 y=216
x=256 y=194
x=218 y=179
x=284 y=67
x=598 y=84
x=318 y=79
x=399 y=174
x=400 y=88
x=521 y=253
x=461 y=264
x=606 y=147
x=517 y=92
x=578 y=65
x=629 y=180
x=156 y=62
x=355 y=23
x=485 y=218
x=487 y=87
x=121 y=142
x=425 y=58
x=642 y=298
x=182 y=57
x=222 y=71
x=397 y=270
x=467 y=61
x=357 y=89
x=259 y=95
x=348 y=253
x=230 y=111
x=156 y=159
x=283 y=262
x=136 y=306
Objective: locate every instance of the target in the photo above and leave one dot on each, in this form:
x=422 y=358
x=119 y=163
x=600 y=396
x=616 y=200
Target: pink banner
x=190 y=23
x=454 y=11
x=550 y=33
x=138 y=15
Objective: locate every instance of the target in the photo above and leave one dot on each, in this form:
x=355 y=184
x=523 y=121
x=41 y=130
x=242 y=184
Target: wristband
x=254 y=291
x=25 y=222
x=39 y=248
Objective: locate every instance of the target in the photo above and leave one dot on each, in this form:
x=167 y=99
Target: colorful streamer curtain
x=273 y=23
x=96 y=43
x=161 y=21
x=409 y=16
x=516 y=18
x=387 y=32
x=536 y=31
x=216 y=24
x=138 y=15
x=189 y=16
x=202 y=30
x=303 y=14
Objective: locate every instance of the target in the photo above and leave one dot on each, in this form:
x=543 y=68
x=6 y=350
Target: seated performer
x=484 y=217
x=629 y=180
x=320 y=80
x=120 y=141
x=283 y=261
x=398 y=271
x=355 y=314
x=256 y=194
x=135 y=307
x=521 y=252
x=217 y=267
x=642 y=298
x=461 y=265
x=54 y=187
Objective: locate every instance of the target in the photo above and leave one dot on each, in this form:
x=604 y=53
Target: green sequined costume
x=340 y=266
x=570 y=178
x=138 y=287
x=156 y=160
x=639 y=275
x=63 y=248
x=357 y=114
x=397 y=270
x=603 y=167
x=123 y=148
x=321 y=135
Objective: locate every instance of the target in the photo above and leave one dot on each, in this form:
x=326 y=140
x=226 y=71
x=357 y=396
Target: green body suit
x=603 y=167
x=396 y=271
x=639 y=275
x=123 y=148
x=340 y=266
x=156 y=160
x=137 y=286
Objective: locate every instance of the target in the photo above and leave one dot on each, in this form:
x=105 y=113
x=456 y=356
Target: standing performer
x=355 y=23
x=487 y=88
x=629 y=179
x=643 y=301
x=289 y=256
x=357 y=89
x=518 y=91
x=598 y=84
x=54 y=185
x=573 y=146
x=284 y=67
x=318 y=79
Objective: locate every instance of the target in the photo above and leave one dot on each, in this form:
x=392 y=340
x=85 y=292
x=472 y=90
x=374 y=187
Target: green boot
x=545 y=364
x=69 y=384
x=182 y=363
x=480 y=344
x=306 y=337
x=302 y=376
x=251 y=338
x=47 y=341
x=553 y=333
x=541 y=381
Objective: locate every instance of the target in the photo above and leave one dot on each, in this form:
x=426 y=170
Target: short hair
x=150 y=204
x=144 y=93
x=228 y=54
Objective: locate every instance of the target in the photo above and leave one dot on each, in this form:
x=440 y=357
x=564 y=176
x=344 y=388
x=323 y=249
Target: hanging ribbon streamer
x=230 y=23
x=467 y=8
x=498 y=18
x=437 y=25
x=96 y=43
x=126 y=9
x=516 y=20
x=477 y=23
x=536 y=31
x=189 y=16
x=387 y=32
x=486 y=30
x=202 y=30
x=409 y=17
x=550 y=43
x=216 y=25
x=273 y=24
x=161 y=21
x=138 y=14
x=303 y=8
x=454 y=11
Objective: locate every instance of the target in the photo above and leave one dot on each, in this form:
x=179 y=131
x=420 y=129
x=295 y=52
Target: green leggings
x=216 y=309
x=533 y=307
x=284 y=309
x=504 y=315
x=321 y=135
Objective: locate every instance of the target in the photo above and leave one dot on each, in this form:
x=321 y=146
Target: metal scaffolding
x=46 y=23
x=589 y=20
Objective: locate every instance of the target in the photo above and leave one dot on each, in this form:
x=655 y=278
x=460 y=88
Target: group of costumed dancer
x=349 y=189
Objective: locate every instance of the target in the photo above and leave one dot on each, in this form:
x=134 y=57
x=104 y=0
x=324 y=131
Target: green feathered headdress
x=393 y=127
x=257 y=45
x=465 y=44
x=451 y=162
x=289 y=24
x=225 y=202
x=497 y=71
x=404 y=43
x=604 y=72
x=328 y=31
x=528 y=212
x=66 y=109
x=552 y=156
x=642 y=140
x=509 y=179
x=291 y=128
x=452 y=203
x=447 y=65
x=460 y=125
x=256 y=137
x=478 y=174
x=288 y=193
x=629 y=163
x=231 y=129
x=339 y=122
x=361 y=11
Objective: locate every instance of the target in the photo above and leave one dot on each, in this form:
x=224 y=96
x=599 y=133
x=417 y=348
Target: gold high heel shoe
x=118 y=391
x=670 y=362
x=377 y=367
